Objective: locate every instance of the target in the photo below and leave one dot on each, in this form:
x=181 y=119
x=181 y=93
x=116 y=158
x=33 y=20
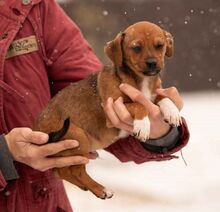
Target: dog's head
x=142 y=47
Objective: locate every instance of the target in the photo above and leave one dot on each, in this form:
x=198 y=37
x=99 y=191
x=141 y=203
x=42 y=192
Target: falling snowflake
x=7 y=193
x=202 y=12
x=105 y=12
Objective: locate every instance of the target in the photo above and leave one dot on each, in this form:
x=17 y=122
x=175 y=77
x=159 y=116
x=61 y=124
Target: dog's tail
x=57 y=135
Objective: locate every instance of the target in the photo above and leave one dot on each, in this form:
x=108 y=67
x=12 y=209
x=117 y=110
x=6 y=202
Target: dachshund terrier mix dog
x=76 y=113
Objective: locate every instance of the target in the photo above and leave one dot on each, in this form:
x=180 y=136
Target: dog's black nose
x=151 y=63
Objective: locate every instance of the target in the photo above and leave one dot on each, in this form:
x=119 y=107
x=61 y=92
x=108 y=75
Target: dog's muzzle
x=151 y=63
x=150 y=72
x=151 y=67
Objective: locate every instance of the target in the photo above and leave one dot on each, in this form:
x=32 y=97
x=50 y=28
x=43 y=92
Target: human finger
x=122 y=111
x=114 y=119
x=35 y=137
x=173 y=94
x=54 y=148
x=59 y=162
x=137 y=96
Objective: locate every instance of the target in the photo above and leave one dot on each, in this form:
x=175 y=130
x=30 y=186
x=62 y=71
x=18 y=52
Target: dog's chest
x=146 y=88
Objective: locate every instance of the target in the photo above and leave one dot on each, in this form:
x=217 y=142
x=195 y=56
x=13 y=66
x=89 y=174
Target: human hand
x=26 y=146
x=121 y=118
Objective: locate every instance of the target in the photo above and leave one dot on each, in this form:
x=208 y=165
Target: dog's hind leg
x=93 y=186
x=63 y=172
x=77 y=174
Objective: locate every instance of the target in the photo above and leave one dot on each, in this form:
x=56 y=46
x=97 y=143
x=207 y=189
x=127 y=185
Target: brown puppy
x=76 y=113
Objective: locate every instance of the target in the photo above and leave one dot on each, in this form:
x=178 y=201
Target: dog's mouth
x=151 y=72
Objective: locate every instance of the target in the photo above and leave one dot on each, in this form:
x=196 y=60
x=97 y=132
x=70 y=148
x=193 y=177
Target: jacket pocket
x=12 y=91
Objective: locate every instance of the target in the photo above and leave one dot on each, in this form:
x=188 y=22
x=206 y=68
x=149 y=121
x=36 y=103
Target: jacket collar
x=21 y=4
x=24 y=6
x=17 y=10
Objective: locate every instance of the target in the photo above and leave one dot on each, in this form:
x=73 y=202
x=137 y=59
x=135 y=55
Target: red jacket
x=52 y=55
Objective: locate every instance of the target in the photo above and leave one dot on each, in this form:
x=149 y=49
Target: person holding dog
x=42 y=51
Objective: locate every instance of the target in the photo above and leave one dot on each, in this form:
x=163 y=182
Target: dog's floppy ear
x=170 y=44
x=114 y=51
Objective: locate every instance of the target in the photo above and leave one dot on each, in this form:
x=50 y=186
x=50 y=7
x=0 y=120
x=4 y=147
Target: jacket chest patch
x=22 y=46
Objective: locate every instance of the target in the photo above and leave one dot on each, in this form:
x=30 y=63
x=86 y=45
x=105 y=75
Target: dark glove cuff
x=6 y=161
x=165 y=143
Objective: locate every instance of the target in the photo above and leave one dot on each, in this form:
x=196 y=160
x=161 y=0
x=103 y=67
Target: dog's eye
x=137 y=49
x=159 y=46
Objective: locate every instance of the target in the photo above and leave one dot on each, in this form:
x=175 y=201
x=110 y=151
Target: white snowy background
x=164 y=186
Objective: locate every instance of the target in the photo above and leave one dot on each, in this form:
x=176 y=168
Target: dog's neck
x=147 y=85
x=125 y=73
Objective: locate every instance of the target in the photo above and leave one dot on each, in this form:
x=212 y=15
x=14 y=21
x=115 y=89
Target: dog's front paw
x=170 y=112
x=142 y=129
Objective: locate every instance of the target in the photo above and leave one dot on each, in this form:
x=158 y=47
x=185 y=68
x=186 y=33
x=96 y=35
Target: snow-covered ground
x=164 y=186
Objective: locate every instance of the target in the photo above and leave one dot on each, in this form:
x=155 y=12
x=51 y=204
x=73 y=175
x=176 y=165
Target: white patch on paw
x=108 y=193
x=170 y=112
x=142 y=129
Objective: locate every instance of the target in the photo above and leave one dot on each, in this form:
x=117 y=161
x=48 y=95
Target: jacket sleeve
x=130 y=149
x=7 y=168
x=69 y=56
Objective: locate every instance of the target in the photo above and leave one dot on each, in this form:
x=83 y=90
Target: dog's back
x=81 y=103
